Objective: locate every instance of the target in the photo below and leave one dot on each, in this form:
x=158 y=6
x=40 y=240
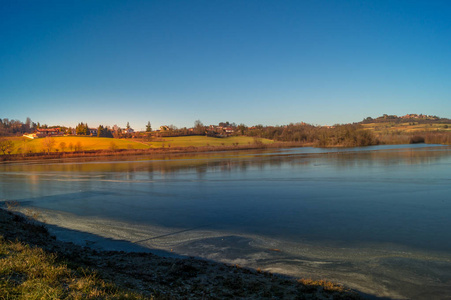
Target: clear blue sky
x=252 y=62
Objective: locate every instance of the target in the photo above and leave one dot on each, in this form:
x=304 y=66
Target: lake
x=377 y=219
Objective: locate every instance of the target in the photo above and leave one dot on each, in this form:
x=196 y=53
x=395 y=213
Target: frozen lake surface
x=377 y=219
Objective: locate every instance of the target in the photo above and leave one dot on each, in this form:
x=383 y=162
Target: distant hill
x=410 y=123
x=418 y=118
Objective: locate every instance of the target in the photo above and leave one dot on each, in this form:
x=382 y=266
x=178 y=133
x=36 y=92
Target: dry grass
x=31 y=273
x=410 y=132
x=73 y=143
x=327 y=286
x=203 y=141
x=408 y=127
x=68 y=144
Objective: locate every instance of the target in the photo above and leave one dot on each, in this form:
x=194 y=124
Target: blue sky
x=252 y=62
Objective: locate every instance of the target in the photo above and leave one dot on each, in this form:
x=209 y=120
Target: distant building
x=30 y=136
x=93 y=131
x=229 y=130
x=44 y=132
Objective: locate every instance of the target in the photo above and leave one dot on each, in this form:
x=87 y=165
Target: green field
x=80 y=143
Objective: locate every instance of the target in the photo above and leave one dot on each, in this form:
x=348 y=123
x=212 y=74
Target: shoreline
x=123 y=153
x=388 y=273
x=138 y=152
x=168 y=277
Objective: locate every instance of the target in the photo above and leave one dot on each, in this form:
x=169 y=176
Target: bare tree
x=113 y=146
x=199 y=127
x=78 y=146
x=48 y=143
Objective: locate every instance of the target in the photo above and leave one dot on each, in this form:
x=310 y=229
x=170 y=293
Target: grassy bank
x=410 y=132
x=73 y=143
x=29 y=271
x=34 y=265
x=406 y=127
x=160 y=146
x=68 y=144
x=204 y=141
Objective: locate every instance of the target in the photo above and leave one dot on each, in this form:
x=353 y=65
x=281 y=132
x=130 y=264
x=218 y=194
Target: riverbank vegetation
x=79 y=146
x=350 y=135
x=226 y=136
x=355 y=135
x=35 y=265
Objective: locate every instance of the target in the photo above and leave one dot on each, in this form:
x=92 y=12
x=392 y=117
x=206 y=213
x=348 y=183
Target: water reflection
x=390 y=203
x=229 y=161
x=342 y=195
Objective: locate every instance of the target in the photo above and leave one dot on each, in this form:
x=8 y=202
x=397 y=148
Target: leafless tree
x=48 y=143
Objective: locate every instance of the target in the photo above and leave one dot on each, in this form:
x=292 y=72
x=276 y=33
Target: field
x=408 y=127
x=79 y=143
x=200 y=141
x=72 y=143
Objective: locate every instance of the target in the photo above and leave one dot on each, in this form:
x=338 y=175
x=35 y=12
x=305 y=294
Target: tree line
x=419 y=119
x=15 y=127
x=349 y=135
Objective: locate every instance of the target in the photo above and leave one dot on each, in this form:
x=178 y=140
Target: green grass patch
x=31 y=273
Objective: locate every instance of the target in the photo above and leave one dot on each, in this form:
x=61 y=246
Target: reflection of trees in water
x=227 y=162
x=389 y=157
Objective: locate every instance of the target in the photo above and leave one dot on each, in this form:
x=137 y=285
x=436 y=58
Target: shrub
x=416 y=139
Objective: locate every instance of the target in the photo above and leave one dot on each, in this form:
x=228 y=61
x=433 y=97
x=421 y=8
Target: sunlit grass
x=407 y=127
x=325 y=285
x=31 y=273
x=73 y=143
x=80 y=143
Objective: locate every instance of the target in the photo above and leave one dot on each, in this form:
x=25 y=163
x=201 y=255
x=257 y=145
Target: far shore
x=151 y=151
x=157 y=151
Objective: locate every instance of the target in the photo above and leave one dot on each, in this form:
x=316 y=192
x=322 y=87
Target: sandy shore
x=170 y=277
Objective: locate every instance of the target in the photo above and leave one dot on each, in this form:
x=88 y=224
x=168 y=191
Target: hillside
x=410 y=123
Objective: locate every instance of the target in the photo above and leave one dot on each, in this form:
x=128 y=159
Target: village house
x=44 y=132
x=421 y=116
x=229 y=130
x=128 y=130
x=93 y=131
